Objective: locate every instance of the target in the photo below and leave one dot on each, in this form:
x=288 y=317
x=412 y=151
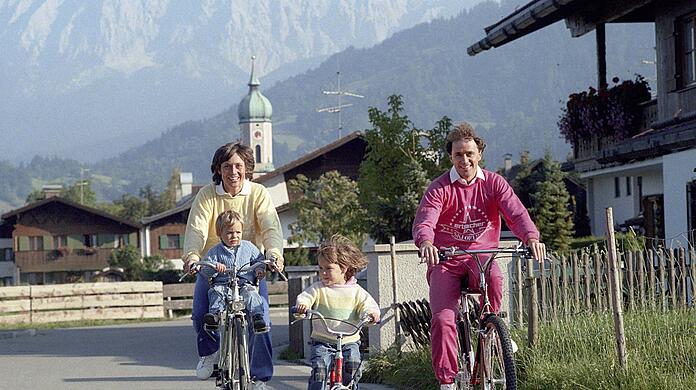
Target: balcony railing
x=55 y=260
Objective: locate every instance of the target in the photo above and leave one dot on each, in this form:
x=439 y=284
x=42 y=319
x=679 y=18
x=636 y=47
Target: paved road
x=154 y=355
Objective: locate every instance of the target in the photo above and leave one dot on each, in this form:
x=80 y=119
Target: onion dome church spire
x=255 y=113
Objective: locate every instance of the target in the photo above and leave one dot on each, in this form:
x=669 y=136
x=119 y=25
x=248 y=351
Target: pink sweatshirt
x=468 y=216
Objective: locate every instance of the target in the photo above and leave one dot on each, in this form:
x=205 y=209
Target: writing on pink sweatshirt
x=468 y=216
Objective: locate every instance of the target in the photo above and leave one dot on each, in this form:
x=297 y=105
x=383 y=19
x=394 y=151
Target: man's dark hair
x=225 y=152
x=466 y=132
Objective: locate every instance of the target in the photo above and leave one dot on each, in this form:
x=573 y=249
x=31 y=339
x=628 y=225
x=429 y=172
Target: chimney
x=507 y=163
x=184 y=187
x=51 y=190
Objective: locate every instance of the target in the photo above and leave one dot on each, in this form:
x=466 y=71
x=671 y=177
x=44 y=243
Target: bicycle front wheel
x=497 y=365
x=243 y=372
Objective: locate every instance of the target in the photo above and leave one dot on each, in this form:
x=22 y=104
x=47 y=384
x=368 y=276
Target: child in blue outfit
x=232 y=250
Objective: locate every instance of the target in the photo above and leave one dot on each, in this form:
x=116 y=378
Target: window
x=258 y=153
x=617 y=188
x=121 y=240
x=170 y=241
x=687 y=52
x=639 y=184
x=6 y=254
x=60 y=241
x=628 y=185
x=89 y=240
x=36 y=243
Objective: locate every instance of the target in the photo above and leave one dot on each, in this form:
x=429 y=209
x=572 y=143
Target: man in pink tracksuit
x=462 y=208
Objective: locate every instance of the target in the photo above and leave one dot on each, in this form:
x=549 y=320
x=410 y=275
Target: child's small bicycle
x=233 y=369
x=492 y=366
x=334 y=381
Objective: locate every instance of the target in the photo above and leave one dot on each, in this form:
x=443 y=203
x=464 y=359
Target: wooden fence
x=578 y=282
x=180 y=296
x=82 y=301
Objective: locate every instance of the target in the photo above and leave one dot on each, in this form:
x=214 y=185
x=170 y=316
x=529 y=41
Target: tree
x=128 y=258
x=35 y=196
x=131 y=207
x=397 y=169
x=550 y=211
x=80 y=192
x=326 y=206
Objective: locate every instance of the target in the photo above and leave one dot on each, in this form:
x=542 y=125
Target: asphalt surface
x=153 y=355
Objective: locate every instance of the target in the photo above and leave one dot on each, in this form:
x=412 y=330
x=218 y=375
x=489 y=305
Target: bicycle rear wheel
x=465 y=353
x=497 y=365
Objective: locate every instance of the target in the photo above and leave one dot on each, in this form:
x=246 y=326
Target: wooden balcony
x=591 y=149
x=54 y=260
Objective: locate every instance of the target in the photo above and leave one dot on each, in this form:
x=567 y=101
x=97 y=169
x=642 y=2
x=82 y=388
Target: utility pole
x=338 y=107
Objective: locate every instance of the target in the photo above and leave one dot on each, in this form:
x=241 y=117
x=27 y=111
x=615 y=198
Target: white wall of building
x=7 y=268
x=601 y=191
x=678 y=170
x=286 y=218
x=277 y=189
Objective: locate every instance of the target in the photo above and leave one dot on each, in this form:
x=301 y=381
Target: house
x=56 y=240
x=343 y=155
x=648 y=178
x=163 y=234
x=8 y=271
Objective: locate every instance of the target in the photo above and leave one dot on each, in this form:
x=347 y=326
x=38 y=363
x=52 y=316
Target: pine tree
x=550 y=212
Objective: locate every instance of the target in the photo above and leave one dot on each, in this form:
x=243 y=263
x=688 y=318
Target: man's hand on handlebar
x=428 y=253
x=538 y=249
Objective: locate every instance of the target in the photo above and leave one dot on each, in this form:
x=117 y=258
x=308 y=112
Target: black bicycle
x=492 y=364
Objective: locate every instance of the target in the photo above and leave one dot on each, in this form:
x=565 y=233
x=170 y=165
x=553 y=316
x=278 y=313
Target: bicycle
x=232 y=371
x=492 y=365
x=334 y=381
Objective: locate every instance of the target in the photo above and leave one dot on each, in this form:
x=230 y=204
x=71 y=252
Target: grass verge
x=76 y=324
x=577 y=353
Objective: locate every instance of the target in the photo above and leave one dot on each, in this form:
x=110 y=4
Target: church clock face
x=257 y=134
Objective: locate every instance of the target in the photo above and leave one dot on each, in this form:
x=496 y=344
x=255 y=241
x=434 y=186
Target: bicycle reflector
x=238 y=306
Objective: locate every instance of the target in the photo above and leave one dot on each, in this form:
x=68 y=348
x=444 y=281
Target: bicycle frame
x=477 y=367
x=335 y=377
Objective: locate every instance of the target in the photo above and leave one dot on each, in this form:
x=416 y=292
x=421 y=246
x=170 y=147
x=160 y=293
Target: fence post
x=296 y=331
x=682 y=272
x=542 y=301
x=587 y=279
x=564 y=285
x=672 y=280
x=692 y=260
x=629 y=277
x=533 y=310
x=651 y=278
x=576 y=282
x=641 y=278
x=661 y=275
x=554 y=291
x=615 y=285
x=519 y=289
x=598 y=277
x=397 y=320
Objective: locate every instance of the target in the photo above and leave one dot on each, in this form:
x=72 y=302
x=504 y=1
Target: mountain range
x=512 y=94
x=86 y=80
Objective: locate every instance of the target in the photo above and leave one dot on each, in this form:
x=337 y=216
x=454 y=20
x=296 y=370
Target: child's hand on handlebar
x=301 y=309
x=260 y=273
x=219 y=267
x=374 y=317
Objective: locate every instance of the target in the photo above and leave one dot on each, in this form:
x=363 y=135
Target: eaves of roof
x=57 y=199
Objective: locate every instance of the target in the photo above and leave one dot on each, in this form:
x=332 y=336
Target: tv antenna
x=338 y=107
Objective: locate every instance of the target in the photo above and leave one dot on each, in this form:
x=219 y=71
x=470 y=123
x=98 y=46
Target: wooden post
x=651 y=277
x=598 y=278
x=615 y=285
x=672 y=280
x=533 y=310
x=693 y=275
x=641 y=279
x=587 y=279
x=661 y=275
x=519 y=313
x=170 y=312
x=682 y=272
x=629 y=278
x=576 y=283
x=542 y=302
x=397 y=320
x=564 y=285
x=554 y=291
x=296 y=331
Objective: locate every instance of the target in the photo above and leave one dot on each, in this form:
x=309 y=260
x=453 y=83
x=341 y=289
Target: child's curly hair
x=225 y=219
x=342 y=251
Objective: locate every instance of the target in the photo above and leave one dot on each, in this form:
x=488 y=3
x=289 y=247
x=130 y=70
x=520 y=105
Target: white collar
x=454 y=176
x=246 y=189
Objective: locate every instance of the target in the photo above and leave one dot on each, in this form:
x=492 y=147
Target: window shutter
x=48 y=243
x=106 y=240
x=133 y=239
x=23 y=243
x=672 y=56
x=75 y=241
x=163 y=241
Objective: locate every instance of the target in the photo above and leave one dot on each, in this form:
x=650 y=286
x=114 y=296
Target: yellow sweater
x=253 y=203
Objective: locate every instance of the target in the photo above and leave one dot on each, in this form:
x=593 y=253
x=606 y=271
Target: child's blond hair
x=225 y=219
x=342 y=251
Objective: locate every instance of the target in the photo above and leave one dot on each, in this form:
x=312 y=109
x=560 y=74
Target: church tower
x=255 y=112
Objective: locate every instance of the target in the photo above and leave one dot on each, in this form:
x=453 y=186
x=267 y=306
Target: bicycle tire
x=243 y=370
x=497 y=366
x=224 y=359
x=462 y=380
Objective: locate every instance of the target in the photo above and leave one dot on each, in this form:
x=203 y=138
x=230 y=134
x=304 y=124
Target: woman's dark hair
x=225 y=152
x=466 y=132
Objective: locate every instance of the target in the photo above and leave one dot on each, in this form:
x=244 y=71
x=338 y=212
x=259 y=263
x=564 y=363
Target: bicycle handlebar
x=310 y=314
x=270 y=263
x=454 y=251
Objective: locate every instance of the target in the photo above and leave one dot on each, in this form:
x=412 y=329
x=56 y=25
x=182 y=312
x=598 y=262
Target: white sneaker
x=204 y=369
x=514 y=345
x=449 y=386
x=259 y=385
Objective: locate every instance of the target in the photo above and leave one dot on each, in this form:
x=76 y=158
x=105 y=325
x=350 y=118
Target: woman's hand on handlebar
x=537 y=248
x=301 y=309
x=429 y=253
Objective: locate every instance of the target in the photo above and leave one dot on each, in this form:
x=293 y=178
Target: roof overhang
x=581 y=18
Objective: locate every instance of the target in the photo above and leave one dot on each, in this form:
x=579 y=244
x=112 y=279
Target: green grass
x=76 y=324
x=578 y=353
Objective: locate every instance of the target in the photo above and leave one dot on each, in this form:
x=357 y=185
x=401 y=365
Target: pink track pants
x=444 y=281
